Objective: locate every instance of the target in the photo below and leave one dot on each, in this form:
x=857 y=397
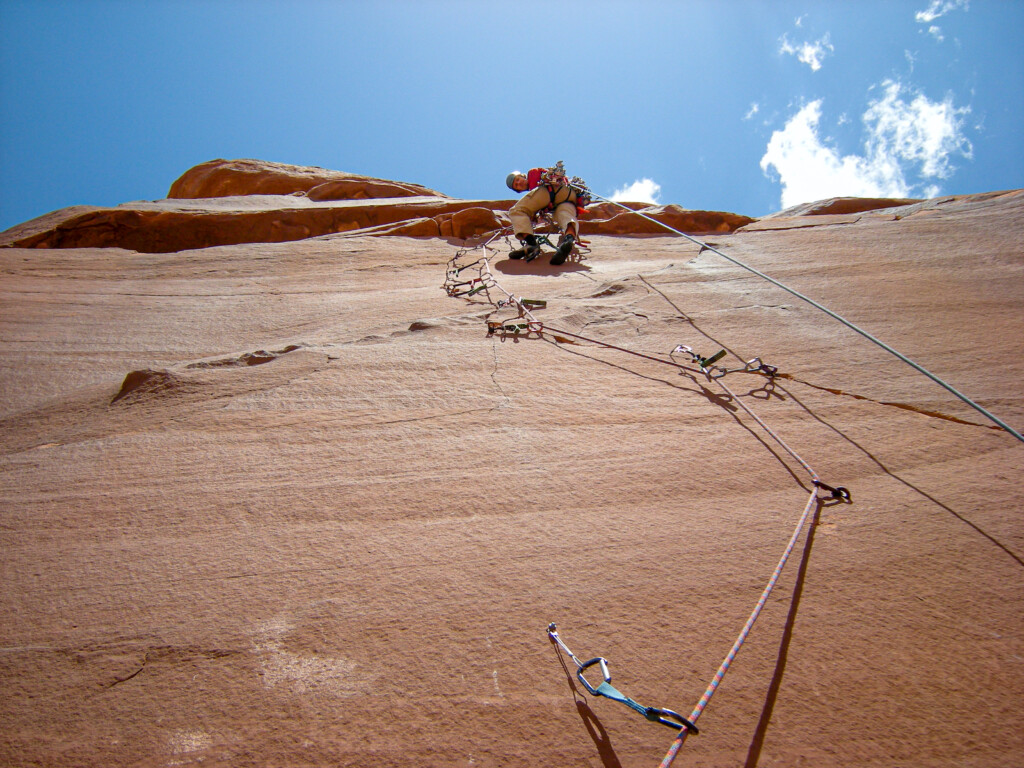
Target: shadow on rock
x=538 y=266
x=592 y=723
x=600 y=736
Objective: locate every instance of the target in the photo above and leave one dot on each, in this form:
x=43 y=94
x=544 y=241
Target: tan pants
x=537 y=200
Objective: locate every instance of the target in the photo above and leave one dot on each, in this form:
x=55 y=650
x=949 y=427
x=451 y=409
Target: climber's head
x=516 y=182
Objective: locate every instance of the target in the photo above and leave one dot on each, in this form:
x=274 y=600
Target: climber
x=548 y=190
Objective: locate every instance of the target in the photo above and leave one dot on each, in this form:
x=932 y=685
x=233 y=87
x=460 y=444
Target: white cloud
x=808 y=53
x=640 y=191
x=936 y=32
x=918 y=131
x=940 y=8
x=906 y=133
x=754 y=109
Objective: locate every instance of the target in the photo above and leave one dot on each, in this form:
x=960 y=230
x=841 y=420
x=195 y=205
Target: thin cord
x=829 y=312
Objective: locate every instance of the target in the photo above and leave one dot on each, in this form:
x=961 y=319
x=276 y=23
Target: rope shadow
x=862 y=449
x=591 y=722
x=906 y=483
x=722 y=401
x=757 y=742
x=686 y=318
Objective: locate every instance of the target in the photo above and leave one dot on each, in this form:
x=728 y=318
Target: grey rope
x=827 y=311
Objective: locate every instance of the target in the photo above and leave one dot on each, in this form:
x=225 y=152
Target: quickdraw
x=712 y=371
x=666 y=717
x=468 y=287
x=708 y=367
x=515 y=327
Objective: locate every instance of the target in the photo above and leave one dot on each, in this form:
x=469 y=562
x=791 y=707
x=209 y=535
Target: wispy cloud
x=939 y=8
x=908 y=146
x=640 y=191
x=754 y=109
x=936 y=10
x=919 y=130
x=809 y=53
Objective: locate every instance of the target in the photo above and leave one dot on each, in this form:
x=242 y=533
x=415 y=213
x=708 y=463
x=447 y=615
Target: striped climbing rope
x=673 y=750
x=706 y=366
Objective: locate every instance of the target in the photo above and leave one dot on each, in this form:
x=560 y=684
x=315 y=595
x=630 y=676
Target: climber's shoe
x=564 y=249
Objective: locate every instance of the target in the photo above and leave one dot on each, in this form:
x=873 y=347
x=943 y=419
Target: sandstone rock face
x=230 y=178
x=841 y=205
x=168 y=226
x=622 y=222
x=247 y=201
x=288 y=502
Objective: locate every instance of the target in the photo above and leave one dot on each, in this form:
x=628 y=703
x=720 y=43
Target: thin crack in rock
x=890 y=403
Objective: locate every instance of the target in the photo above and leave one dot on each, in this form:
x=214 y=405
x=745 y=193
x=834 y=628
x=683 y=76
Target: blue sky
x=740 y=105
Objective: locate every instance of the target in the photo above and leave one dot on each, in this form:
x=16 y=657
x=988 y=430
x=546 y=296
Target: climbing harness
x=560 y=191
x=555 y=177
x=827 y=311
x=673 y=720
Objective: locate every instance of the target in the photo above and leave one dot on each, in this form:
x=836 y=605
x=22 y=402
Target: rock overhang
x=230 y=202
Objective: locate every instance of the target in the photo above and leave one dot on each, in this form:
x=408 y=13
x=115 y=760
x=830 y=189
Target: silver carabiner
x=604 y=672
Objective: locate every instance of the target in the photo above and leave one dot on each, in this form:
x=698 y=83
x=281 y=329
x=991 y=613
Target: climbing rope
x=673 y=750
x=827 y=311
x=526 y=322
x=710 y=367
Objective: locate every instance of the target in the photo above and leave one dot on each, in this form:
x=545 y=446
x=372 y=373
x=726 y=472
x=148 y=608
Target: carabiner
x=662 y=716
x=665 y=717
x=604 y=672
x=839 y=492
